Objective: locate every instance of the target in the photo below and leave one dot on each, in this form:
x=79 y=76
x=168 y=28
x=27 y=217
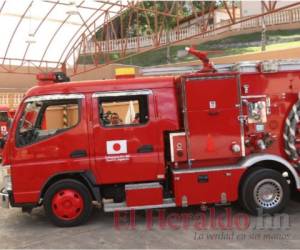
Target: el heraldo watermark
x=208 y=220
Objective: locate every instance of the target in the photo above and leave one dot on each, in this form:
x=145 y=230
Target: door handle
x=203 y=178
x=148 y=148
x=78 y=154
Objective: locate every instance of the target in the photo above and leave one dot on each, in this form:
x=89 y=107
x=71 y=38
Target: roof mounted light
x=125 y=72
x=52 y=77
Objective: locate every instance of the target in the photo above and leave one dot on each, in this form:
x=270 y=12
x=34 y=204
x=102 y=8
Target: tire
x=68 y=203
x=264 y=191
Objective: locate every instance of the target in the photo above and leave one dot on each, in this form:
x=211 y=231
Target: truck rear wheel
x=68 y=203
x=265 y=191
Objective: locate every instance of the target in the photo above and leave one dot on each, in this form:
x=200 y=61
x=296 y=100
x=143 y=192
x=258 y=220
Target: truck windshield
x=3 y=117
x=44 y=119
x=29 y=116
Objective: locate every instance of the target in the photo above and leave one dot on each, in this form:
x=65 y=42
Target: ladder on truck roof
x=244 y=66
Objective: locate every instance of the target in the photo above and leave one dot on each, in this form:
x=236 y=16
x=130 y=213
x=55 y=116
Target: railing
x=12 y=100
x=135 y=43
x=17 y=98
x=4 y=98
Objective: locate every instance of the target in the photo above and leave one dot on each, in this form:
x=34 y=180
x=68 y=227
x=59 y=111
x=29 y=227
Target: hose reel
x=290 y=133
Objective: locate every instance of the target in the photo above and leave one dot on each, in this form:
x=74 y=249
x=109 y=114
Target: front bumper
x=4 y=199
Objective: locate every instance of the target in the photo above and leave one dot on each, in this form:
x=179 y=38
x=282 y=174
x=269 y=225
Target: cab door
x=125 y=137
x=51 y=139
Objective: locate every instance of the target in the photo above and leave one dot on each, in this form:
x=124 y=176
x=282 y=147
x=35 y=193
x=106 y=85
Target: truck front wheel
x=68 y=203
x=265 y=191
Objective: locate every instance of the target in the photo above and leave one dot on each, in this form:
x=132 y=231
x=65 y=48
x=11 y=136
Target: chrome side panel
x=122 y=93
x=207 y=169
x=247 y=162
x=54 y=97
x=139 y=186
x=112 y=207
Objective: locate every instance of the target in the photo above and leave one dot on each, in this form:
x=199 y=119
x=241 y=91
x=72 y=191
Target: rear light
x=52 y=77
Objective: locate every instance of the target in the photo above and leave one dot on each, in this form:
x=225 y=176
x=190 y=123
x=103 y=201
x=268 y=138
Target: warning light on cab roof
x=122 y=73
x=51 y=77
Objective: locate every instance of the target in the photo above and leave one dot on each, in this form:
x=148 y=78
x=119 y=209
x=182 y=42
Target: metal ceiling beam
x=88 y=28
x=81 y=6
x=134 y=6
x=203 y=33
x=54 y=35
x=2 y=6
x=37 y=29
x=15 y=30
x=68 y=44
x=77 y=42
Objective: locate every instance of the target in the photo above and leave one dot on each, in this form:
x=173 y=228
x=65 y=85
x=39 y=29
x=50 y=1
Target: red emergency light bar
x=52 y=77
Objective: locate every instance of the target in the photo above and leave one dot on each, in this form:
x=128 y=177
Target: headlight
x=6 y=174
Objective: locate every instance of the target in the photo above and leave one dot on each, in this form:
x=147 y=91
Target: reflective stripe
x=289 y=134
x=208 y=169
x=253 y=96
x=200 y=78
x=54 y=97
x=142 y=186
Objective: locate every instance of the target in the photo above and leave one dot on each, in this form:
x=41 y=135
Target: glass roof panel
x=47 y=30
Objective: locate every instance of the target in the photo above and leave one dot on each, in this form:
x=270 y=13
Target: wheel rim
x=67 y=204
x=268 y=193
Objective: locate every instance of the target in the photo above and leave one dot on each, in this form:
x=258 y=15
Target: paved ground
x=19 y=230
x=219 y=227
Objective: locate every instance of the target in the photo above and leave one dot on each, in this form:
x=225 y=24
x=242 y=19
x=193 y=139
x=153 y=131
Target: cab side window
x=123 y=110
x=43 y=119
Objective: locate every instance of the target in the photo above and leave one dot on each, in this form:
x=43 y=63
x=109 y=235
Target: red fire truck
x=6 y=116
x=215 y=136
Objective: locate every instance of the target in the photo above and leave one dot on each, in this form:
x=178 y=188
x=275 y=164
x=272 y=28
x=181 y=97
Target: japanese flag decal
x=116 y=147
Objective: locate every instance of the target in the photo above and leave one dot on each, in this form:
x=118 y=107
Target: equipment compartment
x=199 y=186
x=144 y=194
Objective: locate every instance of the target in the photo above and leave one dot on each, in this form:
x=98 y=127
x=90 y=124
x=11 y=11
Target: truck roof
x=92 y=86
x=4 y=108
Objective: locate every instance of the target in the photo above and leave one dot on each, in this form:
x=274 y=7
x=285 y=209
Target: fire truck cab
x=6 y=116
x=211 y=137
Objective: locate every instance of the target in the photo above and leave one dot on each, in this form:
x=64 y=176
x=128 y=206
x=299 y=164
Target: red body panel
x=212 y=116
x=207 y=107
x=4 y=124
x=144 y=196
x=33 y=165
x=4 y=128
x=133 y=166
x=282 y=88
x=201 y=187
